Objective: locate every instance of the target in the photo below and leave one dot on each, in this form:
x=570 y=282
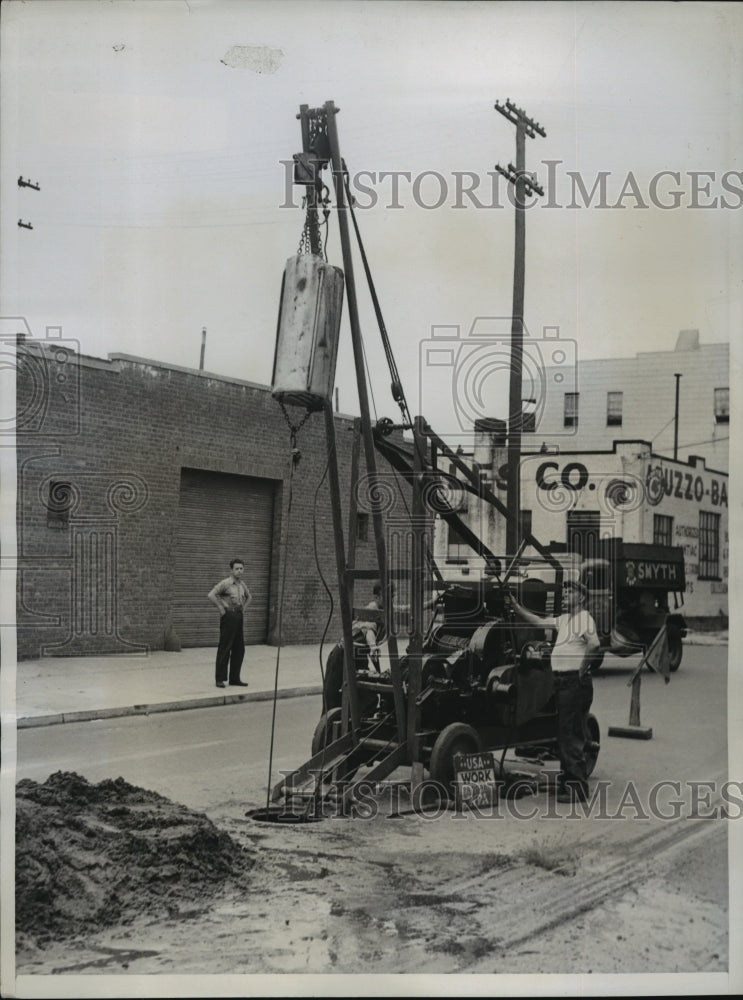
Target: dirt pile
x=91 y=856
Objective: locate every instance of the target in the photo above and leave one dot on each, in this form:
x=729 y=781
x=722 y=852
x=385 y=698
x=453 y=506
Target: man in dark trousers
x=571 y=659
x=230 y=596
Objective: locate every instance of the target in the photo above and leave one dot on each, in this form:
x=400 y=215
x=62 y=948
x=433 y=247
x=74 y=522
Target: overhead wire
x=714 y=440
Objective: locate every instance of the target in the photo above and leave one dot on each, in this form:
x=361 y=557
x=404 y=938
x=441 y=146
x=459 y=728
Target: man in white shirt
x=230 y=596
x=571 y=657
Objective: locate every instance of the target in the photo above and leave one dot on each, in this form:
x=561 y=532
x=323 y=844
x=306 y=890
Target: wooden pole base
x=631 y=732
x=634 y=730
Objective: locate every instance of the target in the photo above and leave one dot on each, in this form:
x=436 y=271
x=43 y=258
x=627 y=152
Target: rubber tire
x=675 y=650
x=596 y=661
x=322 y=730
x=594 y=735
x=333 y=682
x=455 y=738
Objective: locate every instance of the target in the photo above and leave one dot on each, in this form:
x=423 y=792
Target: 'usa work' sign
x=475 y=779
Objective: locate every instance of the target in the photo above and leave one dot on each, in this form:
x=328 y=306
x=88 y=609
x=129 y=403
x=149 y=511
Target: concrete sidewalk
x=59 y=689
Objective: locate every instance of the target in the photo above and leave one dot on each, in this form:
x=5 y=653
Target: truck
x=631 y=588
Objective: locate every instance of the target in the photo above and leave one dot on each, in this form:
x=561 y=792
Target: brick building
x=138 y=481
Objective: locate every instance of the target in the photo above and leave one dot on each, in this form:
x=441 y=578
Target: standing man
x=230 y=596
x=571 y=658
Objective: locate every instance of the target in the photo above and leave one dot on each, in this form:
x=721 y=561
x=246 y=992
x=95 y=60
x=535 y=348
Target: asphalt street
x=217 y=758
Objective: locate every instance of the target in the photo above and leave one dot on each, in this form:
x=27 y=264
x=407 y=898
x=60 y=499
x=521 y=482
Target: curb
x=89 y=715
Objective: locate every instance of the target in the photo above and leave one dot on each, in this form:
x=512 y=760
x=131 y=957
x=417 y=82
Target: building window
x=362 y=527
x=709 y=546
x=571 y=409
x=457 y=550
x=722 y=405
x=58 y=505
x=528 y=416
x=614 y=409
x=662 y=529
x=525 y=522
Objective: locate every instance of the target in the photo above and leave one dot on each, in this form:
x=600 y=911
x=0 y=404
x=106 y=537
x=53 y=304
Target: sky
x=157 y=131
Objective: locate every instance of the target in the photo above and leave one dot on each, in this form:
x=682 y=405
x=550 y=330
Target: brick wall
x=138 y=424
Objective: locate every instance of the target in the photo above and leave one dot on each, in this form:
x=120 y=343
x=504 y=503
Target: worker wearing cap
x=571 y=657
x=367 y=634
x=371 y=631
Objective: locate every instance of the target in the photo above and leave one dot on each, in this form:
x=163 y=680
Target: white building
x=572 y=500
x=635 y=399
x=598 y=462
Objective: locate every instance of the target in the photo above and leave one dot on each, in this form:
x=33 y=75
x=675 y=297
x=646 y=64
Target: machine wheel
x=596 y=660
x=593 y=743
x=675 y=650
x=333 y=683
x=455 y=738
x=321 y=736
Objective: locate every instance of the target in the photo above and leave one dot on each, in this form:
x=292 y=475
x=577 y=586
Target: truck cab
x=634 y=591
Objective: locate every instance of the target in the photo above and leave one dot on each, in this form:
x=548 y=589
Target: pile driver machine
x=472 y=679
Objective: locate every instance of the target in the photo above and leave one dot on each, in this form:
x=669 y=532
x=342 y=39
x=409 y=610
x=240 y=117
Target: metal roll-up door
x=221 y=517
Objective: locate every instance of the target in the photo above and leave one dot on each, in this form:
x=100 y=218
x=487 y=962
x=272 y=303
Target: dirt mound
x=91 y=856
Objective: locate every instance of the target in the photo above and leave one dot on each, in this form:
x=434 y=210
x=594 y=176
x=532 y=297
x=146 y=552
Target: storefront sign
x=639 y=573
x=660 y=482
x=573 y=477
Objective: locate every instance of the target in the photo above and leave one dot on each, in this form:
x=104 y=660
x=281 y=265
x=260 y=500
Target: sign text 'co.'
x=659 y=482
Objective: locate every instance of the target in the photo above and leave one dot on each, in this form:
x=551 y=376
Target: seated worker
x=367 y=636
x=571 y=658
x=371 y=631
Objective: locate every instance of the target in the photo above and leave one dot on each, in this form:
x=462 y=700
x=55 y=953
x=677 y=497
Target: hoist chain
x=293 y=431
x=310 y=223
x=311 y=235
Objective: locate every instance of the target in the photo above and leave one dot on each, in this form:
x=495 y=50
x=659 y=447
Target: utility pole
x=524 y=184
x=677 y=376
x=203 y=348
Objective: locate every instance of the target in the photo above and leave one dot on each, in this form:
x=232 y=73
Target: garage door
x=221 y=517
